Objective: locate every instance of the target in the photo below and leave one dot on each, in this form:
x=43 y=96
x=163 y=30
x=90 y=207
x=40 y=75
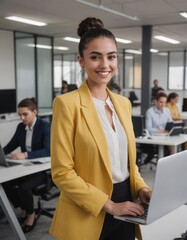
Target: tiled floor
x=40 y=231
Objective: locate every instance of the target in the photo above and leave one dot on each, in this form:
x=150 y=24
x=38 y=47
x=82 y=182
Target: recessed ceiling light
x=61 y=48
x=166 y=39
x=133 y=51
x=153 y=50
x=26 y=20
x=71 y=39
x=39 y=46
x=121 y=40
x=183 y=14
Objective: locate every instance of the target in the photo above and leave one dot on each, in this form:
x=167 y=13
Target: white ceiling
x=63 y=17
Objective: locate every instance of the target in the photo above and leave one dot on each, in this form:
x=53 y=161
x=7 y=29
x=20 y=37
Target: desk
x=162 y=141
x=7 y=174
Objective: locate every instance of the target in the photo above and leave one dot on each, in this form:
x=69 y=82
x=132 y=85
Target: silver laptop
x=4 y=162
x=169 y=190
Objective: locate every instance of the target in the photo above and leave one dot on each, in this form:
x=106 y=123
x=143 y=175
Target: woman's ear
x=81 y=61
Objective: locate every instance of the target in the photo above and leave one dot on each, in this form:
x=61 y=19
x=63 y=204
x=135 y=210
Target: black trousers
x=114 y=229
x=19 y=191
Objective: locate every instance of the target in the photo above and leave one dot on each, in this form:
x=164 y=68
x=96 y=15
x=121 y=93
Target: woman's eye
x=94 y=57
x=112 y=57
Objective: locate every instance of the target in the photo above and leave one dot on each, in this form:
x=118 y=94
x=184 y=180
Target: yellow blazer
x=80 y=163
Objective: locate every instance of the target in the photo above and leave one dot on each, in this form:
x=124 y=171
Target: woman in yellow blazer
x=80 y=158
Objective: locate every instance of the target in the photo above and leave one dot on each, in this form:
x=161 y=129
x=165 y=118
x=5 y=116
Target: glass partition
x=34 y=68
x=44 y=72
x=176 y=70
x=25 y=66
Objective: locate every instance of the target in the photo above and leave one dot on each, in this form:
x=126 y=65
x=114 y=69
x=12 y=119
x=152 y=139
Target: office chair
x=133 y=99
x=44 y=193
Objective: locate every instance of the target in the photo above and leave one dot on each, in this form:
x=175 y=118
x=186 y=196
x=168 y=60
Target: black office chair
x=133 y=99
x=44 y=193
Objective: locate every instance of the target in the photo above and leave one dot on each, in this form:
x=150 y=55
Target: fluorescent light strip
x=39 y=46
x=166 y=39
x=121 y=40
x=48 y=47
x=153 y=50
x=61 y=48
x=25 y=20
x=101 y=7
x=133 y=51
x=71 y=39
x=183 y=14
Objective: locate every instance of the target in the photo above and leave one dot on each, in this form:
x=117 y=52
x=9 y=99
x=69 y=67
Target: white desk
x=7 y=174
x=161 y=141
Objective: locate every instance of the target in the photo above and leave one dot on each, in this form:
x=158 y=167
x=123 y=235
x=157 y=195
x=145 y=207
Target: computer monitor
x=138 y=124
x=7 y=101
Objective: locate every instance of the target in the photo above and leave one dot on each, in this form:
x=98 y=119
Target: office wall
x=7 y=68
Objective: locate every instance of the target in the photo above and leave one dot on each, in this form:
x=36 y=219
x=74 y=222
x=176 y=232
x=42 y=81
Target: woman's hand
x=123 y=208
x=144 y=195
x=18 y=155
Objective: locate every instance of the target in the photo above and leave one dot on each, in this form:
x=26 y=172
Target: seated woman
x=33 y=137
x=172 y=101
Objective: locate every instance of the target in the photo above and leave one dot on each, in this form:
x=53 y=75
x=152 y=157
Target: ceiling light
x=183 y=14
x=101 y=7
x=39 y=46
x=128 y=57
x=121 y=40
x=133 y=51
x=166 y=39
x=153 y=50
x=25 y=20
x=61 y=48
x=71 y=39
x=163 y=54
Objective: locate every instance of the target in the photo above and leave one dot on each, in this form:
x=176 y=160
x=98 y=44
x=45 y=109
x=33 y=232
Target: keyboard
x=11 y=163
x=145 y=207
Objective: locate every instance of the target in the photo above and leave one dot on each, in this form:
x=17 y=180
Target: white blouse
x=116 y=140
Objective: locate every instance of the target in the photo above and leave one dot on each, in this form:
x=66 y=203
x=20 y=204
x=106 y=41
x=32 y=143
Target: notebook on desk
x=169 y=190
x=4 y=162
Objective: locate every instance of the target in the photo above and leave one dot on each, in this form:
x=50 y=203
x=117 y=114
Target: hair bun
x=88 y=24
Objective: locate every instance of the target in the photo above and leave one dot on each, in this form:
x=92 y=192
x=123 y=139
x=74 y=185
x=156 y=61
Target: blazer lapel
x=91 y=117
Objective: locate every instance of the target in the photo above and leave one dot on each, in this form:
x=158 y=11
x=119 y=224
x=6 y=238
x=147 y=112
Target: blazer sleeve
x=41 y=141
x=14 y=142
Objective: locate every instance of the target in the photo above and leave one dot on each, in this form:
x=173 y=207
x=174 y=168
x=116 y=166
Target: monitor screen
x=7 y=101
x=138 y=124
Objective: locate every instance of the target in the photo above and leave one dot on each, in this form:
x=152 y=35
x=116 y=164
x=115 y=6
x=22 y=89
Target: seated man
x=157 y=116
x=33 y=137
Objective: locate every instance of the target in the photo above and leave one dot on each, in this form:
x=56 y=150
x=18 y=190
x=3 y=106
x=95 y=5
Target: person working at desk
x=157 y=116
x=93 y=151
x=172 y=101
x=33 y=137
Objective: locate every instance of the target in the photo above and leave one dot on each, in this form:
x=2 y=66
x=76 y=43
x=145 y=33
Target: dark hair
x=159 y=95
x=89 y=29
x=172 y=96
x=64 y=82
x=29 y=103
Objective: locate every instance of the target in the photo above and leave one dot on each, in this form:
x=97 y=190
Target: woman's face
x=174 y=100
x=27 y=116
x=99 y=60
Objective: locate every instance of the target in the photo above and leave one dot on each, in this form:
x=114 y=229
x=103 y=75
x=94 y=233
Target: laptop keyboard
x=145 y=207
x=11 y=164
